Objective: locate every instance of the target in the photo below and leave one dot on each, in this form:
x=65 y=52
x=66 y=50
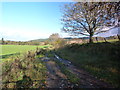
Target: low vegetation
x=26 y=71
x=99 y=59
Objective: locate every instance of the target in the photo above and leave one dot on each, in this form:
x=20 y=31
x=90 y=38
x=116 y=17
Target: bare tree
x=87 y=18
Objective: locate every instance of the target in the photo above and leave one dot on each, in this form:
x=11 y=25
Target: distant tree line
x=57 y=41
x=8 y=42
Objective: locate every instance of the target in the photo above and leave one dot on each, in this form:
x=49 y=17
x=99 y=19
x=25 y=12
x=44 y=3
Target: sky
x=22 y=21
x=111 y=32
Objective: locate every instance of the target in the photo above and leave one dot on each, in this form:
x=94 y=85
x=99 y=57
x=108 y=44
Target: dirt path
x=86 y=80
x=56 y=79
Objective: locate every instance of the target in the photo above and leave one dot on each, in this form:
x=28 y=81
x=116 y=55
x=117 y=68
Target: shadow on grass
x=8 y=55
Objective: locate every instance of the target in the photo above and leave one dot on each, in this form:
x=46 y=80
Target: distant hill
x=68 y=38
x=39 y=40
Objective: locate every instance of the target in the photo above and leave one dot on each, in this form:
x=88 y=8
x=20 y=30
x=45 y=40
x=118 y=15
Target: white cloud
x=111 y=32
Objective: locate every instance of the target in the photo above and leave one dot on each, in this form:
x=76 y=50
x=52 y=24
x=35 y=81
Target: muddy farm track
x=57 y=79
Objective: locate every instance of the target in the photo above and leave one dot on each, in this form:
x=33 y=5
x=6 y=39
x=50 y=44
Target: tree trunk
x=90 y=39
x=105 y=39
x=118 y=37
x=96 y=39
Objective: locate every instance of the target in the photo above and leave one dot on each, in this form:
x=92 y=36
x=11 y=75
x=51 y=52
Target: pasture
x=12 y=49
x=8 y=51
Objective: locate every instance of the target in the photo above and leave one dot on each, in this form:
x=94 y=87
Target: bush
x=59 y=43
x=24 y=72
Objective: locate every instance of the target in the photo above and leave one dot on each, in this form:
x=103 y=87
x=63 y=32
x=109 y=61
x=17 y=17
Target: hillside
x=39 y=40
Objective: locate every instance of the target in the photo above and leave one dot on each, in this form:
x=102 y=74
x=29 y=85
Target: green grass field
x=12 y=49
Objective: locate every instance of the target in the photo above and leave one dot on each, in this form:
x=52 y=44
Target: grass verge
x=99 y=59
